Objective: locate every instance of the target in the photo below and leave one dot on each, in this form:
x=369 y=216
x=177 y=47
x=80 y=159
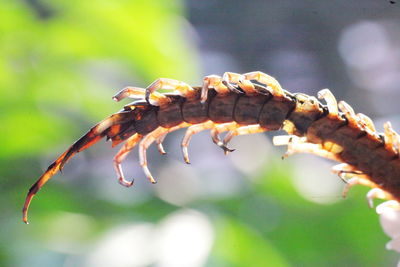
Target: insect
x=242 y=104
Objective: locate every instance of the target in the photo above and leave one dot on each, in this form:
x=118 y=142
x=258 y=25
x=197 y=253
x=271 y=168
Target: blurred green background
x=60 y=63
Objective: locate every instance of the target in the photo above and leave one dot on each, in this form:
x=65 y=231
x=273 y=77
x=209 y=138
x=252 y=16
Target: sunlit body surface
x=241 y=104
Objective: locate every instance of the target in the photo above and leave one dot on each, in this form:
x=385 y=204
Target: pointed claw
x=228 y=150
x=121 y=155
x=185 y=154
x=148 y=174
x=125 y=183
x=160 y=140
x=161 y=149
x=224 y=148
x=225 y=145
x=232 y=88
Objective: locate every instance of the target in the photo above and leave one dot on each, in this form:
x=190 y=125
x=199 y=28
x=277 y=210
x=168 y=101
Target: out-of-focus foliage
x=60 y=63
x=67 y=60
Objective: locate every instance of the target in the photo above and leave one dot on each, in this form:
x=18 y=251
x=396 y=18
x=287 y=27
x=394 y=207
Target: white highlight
x=185 y=239
x=314 y=181
x=252 y=152
x=129 y=245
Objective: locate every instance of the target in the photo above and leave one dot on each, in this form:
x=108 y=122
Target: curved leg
x=144 y=145
x=367 y=123
x=223 y=85
x=121 y=155
x=350 y=175
x=147 y=141
x=160 y=146
x=299 y=145
x=271 y=82
x=248 y=87
x=391 y=138
x=358 y=179
x=376 y=193
x=181 y=88
x=156 y=99
x=249 y=129
x=160 y=139
x=212 y=82
x=330 y=101
x=229 y=78
x=345 y=171
x=194 y=129
x=220 y=128
x=349 y=113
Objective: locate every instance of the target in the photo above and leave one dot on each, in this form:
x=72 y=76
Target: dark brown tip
x=26 y=207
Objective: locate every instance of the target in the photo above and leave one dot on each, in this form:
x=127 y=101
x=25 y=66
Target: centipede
x=241 y=104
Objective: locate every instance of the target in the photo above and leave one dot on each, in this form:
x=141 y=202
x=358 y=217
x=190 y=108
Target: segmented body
x=243 y=104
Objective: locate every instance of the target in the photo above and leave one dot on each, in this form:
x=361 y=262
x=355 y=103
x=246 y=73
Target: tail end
x=95 y=134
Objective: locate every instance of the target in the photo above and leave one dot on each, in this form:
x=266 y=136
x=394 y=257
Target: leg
x=376 y=193
x=144 y=145
x=349 y=113
x=250 y=129
x=181 y=88
x=156 y=99
x=194 y=129
x=212 y=82
x=299 y=145
x=330 y=101
x=229 y=78
x=271 y=82
x=160 y=140
x=248 y=87
x=367 y=123
x=356 y=179
x=219 y=128
x=223 y=85
x=343 y=170
x=391 y=138
x=349 y=175
x=121 y=155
